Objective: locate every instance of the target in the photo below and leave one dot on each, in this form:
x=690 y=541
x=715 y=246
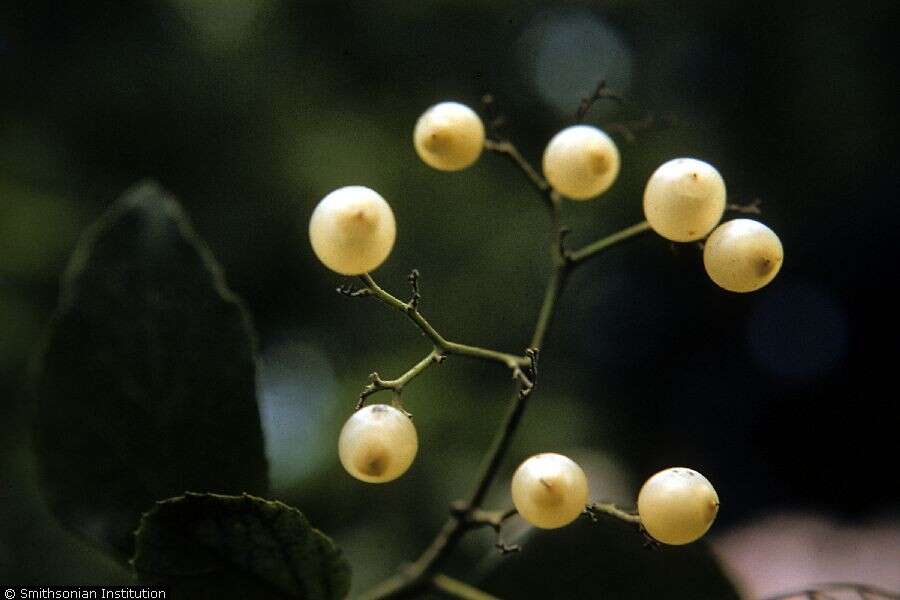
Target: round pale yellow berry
x=378 y=443
x=449 y=136
x=677 y=506
x=742 y=255
x=684 y=199
x=352 y=230
x=581 y=162
x=549 y=490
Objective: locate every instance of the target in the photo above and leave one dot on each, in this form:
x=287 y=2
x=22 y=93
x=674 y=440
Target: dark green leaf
x=211 y=546
x=607 y=559
x=146 y=383
x=34 y=548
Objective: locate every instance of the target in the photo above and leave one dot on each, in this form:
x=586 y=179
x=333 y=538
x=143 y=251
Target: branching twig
x=464 y=517
x=500 y=145
x=600 y=93
x=494 y=119
x=509 y=150
x=377 y=384
x=627 y=129
x=522 y=367
x=527 y=377
x=443 y=345
x=351 y=292
x=475 y=518
x=411 y=580
x=630 y=129
x=750 y=208
x=413 y=279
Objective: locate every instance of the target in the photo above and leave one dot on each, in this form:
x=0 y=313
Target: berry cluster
x=352 y=232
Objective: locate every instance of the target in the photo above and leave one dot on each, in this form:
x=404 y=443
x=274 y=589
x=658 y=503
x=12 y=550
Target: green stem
x=498 y=451
x=377 y=384
x=554 y=288
x=414 y=578
x=612 y=510
x=397 y=384
x=458 y=589
x=446 y=347
x=489 y=518
x=408 y=583
x=582 y=254
x=594 y=248
x=510 y=360
x=509 y=150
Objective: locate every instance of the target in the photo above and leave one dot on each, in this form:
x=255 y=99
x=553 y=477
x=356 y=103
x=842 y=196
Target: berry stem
x=554 y=287
x=749 y=208
x=488 y=518
x=377 y=384
x=415 y=578
x=599 y=93
x=594 y=248
x=444 y=346
x=608 y=508
x=590 y=250
x=509 y=150
x=458 y=589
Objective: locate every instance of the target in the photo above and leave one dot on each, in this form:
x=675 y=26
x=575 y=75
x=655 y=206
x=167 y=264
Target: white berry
x=742 y=255
x=549 y=490
x=378 y=443
x=449 y=136
x=684 y=199
x=677 y=506
x=352 y=230
x=581 y=162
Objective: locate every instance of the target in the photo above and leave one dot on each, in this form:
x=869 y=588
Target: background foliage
x=250 y=111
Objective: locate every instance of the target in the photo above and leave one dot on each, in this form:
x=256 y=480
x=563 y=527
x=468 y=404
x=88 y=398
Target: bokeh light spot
x=296 y=400
x=798 y=332
x=564 y=54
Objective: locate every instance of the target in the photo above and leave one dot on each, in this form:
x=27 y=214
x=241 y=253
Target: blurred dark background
x=251 y=110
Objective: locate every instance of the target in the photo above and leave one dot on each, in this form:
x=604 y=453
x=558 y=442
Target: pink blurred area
x=781 y=553
x=786 y=552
